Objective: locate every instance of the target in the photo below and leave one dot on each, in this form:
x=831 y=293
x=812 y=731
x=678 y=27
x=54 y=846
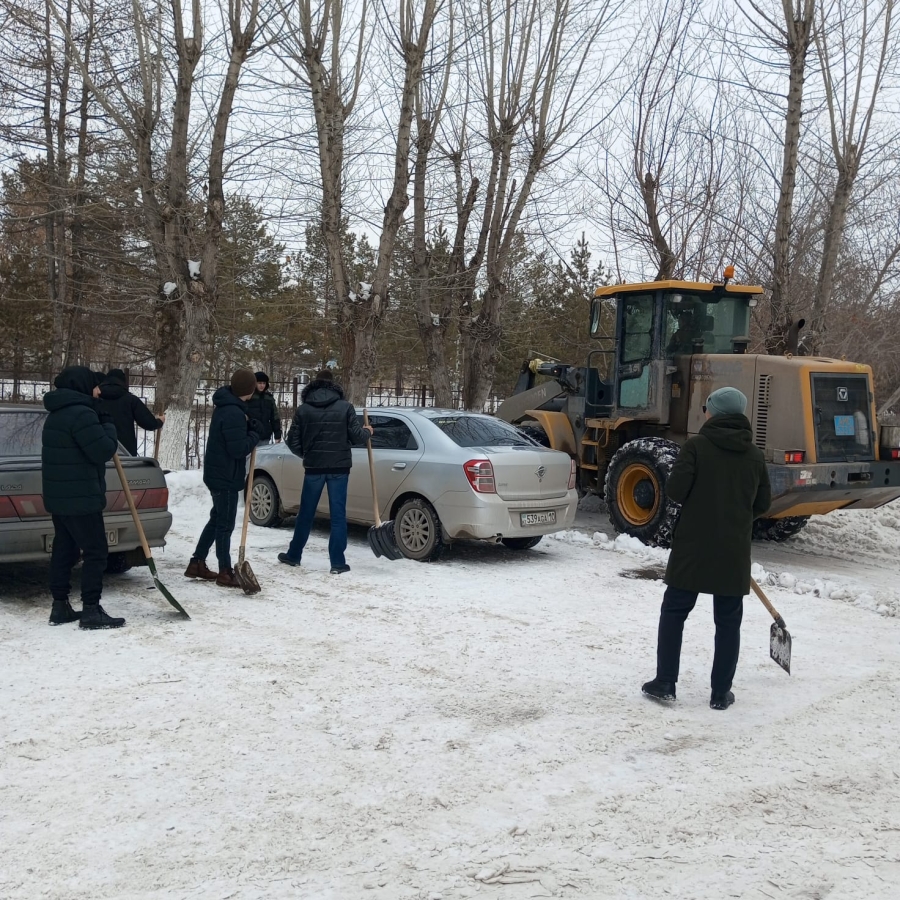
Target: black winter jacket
x=228 y=443
x=324 y=429
x=722 y=481
x=262 y=407
x=126 y=411
x=74 y=452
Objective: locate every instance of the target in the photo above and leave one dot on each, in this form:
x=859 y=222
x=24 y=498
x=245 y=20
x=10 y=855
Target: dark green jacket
x=262 y=408
x=721 y=480
x=228 y=444
x=75 y=450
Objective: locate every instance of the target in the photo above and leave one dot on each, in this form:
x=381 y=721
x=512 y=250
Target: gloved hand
x=255 y=425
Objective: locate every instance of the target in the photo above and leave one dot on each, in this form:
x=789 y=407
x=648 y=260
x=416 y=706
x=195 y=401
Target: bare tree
x=314 y=38
x=857 y=50
x=530 y=60
x=185 y=250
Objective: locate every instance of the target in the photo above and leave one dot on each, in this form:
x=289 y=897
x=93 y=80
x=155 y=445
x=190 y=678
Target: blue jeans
x=313 y=485
x=218 y=529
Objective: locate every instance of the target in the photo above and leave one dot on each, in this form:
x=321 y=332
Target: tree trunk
x=481 y=342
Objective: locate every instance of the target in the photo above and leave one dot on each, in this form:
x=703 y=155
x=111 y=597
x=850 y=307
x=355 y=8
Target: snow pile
x=871 y=533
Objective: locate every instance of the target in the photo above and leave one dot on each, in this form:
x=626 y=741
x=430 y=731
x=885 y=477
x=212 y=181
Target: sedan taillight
x=480 y=473
x=571 y=486
x=154 y=498
x=7 y=510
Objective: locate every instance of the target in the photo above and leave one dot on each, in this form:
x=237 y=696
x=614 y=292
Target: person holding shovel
x=126 y=410
x=721 y=480
x=232 y=435
x=324 y=429
x=78 y=441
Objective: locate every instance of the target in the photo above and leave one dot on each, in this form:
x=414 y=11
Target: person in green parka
x=721 y=480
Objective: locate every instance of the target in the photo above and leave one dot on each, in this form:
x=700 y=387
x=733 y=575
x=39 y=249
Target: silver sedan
x=441 y=475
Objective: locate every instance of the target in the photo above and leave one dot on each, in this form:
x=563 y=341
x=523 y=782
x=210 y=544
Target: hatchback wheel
x=522 y=543
x=265 y=503
x=417 y=529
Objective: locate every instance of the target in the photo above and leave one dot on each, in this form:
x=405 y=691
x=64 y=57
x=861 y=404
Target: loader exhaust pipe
x=793 y=337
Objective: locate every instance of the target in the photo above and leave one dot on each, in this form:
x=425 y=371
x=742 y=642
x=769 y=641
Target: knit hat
x=243 y=383
x=261 y=376
x=324 y=375
x=76 y=378
x=726 y=401
x=116 y=376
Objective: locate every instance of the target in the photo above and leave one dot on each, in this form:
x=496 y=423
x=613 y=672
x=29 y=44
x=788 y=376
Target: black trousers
x=219 y=527
x=727 y=611
x=73 y=535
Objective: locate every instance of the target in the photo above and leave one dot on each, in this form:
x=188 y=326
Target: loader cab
x=658 y=326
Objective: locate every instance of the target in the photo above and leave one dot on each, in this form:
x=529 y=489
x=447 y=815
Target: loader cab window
x=636 y=350
x=694 y=325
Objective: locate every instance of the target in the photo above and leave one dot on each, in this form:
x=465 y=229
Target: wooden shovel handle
x=247 y=501
x=129 y=499
x=372 y=473
x=156 y=439
x=766 y=602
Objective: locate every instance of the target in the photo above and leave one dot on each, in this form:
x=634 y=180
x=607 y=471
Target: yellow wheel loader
x=662 y=348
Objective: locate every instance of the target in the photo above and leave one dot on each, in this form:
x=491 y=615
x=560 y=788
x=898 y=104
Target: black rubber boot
x=659 y=690
x=95 y=617
x=339 y=570
x=720 y=701
x=62 y=613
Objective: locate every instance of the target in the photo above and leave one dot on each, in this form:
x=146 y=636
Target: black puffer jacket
x=262 y=407
x=75 y=447
x=722 y=481
x=126 y=411
x=229 y=442
x=324 y=429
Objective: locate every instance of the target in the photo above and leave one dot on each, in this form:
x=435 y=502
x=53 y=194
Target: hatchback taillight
x=154 y=498
x=480 y=473
x=571 y=486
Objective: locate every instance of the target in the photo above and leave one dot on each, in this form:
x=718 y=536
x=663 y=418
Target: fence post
x=296 y=385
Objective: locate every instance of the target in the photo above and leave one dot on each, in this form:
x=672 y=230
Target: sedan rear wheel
x=417 y=529
x=521 y=543
x=265 y=503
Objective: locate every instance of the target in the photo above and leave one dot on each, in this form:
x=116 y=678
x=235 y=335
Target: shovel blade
x=780 y=646
x=163 y=589
x=246 y=579
x=383 y=542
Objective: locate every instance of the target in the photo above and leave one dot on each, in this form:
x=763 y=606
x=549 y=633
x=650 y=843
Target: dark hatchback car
x=26 y=529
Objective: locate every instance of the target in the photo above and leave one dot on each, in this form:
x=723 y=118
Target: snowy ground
x=410 y=731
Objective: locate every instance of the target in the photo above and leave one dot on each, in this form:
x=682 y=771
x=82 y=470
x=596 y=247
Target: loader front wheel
x=635 y=490
x=778 y=530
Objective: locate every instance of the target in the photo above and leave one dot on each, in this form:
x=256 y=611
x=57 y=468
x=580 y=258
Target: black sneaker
x=95 y=617
x=720 y=701
x=659 y=690
x=284 y=558
x=339 y=570
x=62 y=613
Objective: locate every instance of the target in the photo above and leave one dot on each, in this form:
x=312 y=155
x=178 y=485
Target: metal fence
x=142 y=383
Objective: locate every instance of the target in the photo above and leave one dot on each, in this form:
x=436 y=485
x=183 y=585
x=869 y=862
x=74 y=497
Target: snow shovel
x=156 y=439
x=779 y=636
x=242 y=571
x=381 y=535
x=129 y=499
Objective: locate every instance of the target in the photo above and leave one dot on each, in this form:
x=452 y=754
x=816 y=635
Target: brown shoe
x=226 y=578
x=199 y=569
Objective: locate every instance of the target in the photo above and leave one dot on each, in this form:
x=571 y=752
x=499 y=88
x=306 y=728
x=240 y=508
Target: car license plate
x=538 y=518
x=112 y=538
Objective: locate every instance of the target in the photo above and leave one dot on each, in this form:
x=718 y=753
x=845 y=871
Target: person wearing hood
x=324 y=429
x=721 y=480
x=78 y=441
x=262 y=407
x=232 y=435
x=126 y=410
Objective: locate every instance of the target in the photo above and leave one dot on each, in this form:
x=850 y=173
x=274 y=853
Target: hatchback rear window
x=481 y=431
x=20 y=433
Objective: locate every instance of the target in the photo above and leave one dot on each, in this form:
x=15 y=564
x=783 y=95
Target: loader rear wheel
x=636 y=490
x=778 y=530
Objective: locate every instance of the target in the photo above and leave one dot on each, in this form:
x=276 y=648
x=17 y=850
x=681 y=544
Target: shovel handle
x=156 y=440
x=129 y=499
x=372 y=473
x=248 y=499
x=767 y=603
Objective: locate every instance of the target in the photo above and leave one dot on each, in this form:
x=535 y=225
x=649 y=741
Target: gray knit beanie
x=726 y=401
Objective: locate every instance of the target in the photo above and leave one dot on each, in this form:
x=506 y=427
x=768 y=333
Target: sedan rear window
x=20 y=433
x=481 y=431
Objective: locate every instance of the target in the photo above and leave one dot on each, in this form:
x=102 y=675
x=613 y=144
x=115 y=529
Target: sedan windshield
x=20 y=433
x=481 y=431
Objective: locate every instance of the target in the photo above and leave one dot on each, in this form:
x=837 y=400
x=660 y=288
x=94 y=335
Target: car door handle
x=397 y=466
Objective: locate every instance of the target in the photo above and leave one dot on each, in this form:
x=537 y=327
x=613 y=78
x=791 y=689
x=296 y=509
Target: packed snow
x=472 y=728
